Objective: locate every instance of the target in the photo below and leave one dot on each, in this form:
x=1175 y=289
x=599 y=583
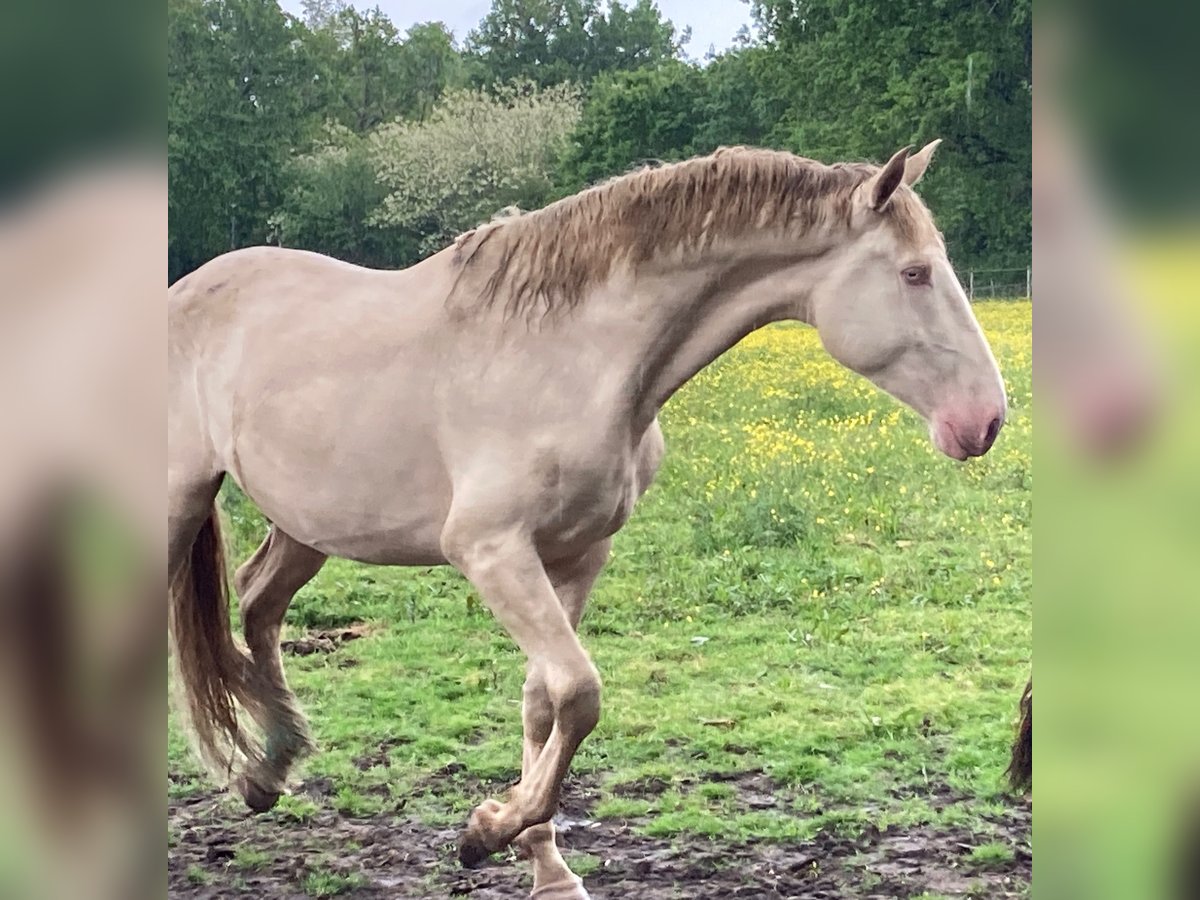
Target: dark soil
x=398 y=857
x=324 y=641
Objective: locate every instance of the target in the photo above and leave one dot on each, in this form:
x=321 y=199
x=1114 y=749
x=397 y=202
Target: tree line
x=337 y=132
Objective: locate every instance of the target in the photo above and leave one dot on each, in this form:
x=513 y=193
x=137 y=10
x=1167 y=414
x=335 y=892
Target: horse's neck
x=688 y=318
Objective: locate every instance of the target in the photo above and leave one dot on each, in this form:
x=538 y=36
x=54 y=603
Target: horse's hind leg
x=266 y=584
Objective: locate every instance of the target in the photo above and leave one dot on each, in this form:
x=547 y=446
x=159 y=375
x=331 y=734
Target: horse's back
x=270 y=303
x=311 y=380
x=258 y=278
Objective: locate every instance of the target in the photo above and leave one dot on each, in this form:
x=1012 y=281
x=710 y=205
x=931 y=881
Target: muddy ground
x=397 y=857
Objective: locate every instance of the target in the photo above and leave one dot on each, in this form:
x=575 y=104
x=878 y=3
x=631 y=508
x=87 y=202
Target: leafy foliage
x=860 y=78
x=340 y=134
x=552 y=41
x=375 y=76
x=333 y=191
x=241 y=91
x=477 y=153
x=671 y=112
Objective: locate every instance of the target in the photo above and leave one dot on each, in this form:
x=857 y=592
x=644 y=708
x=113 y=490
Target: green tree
x=373 y=74
x=552 y=41
x=670 y=112
x=321 y=13
x=333 y=190
x=429 y=65
x=362 y=64
x=632 y=118
x=858 y=79
x=240 y=96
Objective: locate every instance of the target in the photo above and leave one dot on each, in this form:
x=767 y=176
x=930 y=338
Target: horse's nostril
x=993 y=429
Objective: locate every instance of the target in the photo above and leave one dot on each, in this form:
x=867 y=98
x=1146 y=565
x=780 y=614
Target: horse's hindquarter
x=315 y=380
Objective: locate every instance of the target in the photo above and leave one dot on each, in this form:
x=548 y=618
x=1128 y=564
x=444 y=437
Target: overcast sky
x=713 y=21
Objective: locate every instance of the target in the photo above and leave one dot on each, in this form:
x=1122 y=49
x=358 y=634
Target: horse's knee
x=533 y=837
x=575 y=694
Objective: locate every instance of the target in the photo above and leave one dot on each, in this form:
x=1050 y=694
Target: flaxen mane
x=545 y=260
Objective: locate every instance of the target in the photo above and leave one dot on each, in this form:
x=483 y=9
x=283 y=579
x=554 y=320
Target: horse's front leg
x=504 y=567
x=572 y=580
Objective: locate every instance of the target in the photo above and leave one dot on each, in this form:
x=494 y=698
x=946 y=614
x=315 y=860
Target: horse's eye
x=916 y=275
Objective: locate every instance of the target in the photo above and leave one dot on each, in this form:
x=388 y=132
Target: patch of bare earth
x=324 y=640
x=396 y=856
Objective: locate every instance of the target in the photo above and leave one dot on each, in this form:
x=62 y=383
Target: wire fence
x=998 y=284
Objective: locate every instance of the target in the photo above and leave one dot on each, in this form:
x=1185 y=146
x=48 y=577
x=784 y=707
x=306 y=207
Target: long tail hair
x=212 y=669
x=1020 y=766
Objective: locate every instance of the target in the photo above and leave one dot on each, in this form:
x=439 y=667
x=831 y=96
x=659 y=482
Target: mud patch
x=325 y=640
x=217 y=851
x=381 y=755
x=646 y=788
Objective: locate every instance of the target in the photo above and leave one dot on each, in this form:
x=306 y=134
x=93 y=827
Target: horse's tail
x=211 y=667
x=1020 y=766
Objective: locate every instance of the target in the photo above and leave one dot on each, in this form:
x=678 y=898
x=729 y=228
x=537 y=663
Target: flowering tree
x=476 y=154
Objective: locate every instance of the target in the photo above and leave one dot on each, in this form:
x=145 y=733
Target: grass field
x=814 y=624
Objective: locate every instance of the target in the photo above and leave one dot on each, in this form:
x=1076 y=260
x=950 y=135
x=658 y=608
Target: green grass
x=198 y=876
x=250 y=858
x=329 y=884
x=988 y=856
x=863 y=604
x=582 y=864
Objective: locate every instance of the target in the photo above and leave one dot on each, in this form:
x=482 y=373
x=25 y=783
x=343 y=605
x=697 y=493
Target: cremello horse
x=494 y=407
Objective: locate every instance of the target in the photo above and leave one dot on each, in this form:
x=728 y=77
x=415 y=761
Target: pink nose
x=978 y=441
x=967 y=432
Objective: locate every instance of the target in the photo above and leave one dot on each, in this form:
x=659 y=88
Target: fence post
x=971 y=285
x=1029 y=281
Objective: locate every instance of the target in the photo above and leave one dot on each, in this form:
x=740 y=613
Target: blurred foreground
x=1117 y=330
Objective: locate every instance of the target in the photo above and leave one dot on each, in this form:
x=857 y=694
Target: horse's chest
x=582 y=501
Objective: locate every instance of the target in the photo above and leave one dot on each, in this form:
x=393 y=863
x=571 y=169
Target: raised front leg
x=572 y=580
x=510 y=577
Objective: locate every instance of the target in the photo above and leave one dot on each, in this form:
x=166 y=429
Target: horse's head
x=892 y=309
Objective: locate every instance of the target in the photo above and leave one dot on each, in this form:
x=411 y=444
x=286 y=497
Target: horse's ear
x=883 y=184
x=916 y=165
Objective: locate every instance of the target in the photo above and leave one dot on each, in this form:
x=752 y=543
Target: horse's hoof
x=471 y=850
x=479 y=839
x=568 y=889
x=257 y=798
